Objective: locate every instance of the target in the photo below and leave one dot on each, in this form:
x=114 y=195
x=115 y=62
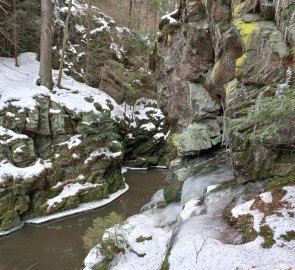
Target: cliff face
x=65 y=147
x=225 y=72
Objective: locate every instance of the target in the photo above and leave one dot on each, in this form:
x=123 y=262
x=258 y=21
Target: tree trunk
x=15 y=33
x=64 y=45
x=88 y=45
x=146 y=16
x=46 y=44
x=155 y=20
x=130 y=13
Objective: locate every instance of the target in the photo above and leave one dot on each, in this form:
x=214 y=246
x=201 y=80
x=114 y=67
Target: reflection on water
x=58 y=245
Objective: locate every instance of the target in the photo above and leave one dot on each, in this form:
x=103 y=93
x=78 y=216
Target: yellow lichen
x=174 y=138
x=246 y=30
x=237 y=10
x=230 y=87
x=215 y=70
x=240 y=62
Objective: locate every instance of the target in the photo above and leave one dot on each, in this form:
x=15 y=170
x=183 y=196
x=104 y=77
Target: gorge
x=212 y=100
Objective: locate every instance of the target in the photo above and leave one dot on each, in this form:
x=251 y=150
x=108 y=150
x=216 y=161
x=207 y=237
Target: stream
x=58 y=244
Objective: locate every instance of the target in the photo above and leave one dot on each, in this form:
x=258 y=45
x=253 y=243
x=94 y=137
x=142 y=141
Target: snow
x=75 y=156
x=83 y=207
x=159 y=136
x=80 y=28
x=4 y=132
x=52 y=111
x=9 y=170
x=70 y=190
x=117 y=50
x=192 y=236
x=102 y=151
x=19 y=149
x=137 y=226
x=266 y=197
x=136 y=169
x=244 y=209
x=189 y=208
x=169 y=17
x=212 y=187
x=148 y=126
x=10 y=115
x=18 y=87
x=73 y=142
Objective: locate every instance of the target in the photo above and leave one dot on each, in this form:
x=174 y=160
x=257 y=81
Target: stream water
x=58 y=245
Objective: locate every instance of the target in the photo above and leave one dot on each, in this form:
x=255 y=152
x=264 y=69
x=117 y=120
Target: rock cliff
x=231 y=66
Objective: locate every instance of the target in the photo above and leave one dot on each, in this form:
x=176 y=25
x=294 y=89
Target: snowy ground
x=18 y=87
x=194 y=236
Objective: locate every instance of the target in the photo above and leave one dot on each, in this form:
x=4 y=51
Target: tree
x=15 y=33
x=64 y=44
x=130 y=13
x=46 y=44
x=88 y=44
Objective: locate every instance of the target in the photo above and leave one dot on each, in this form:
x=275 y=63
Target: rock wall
x=62 y=148
x=219 y=66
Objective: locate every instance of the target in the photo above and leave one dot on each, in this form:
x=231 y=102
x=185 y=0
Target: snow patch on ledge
x=9 y=170
x=83 y=207
x=135 y=169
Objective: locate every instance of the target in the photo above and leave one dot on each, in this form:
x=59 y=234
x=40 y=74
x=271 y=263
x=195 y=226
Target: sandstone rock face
x=49 y=145
x=219 y=60
x=54 y=156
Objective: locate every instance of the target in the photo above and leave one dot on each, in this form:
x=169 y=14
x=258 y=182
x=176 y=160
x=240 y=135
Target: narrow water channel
x=58 y=245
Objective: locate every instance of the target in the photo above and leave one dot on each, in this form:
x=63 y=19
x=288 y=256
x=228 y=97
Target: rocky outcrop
x=226 y=62
x=148 y=131
x=62 y=148
x=117 y=59
x=47 y=148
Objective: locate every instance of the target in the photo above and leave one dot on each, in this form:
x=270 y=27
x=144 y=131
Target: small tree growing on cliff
x=110 y=234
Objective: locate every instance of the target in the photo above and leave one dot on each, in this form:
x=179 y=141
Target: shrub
x=270 y=121
x=95 y=233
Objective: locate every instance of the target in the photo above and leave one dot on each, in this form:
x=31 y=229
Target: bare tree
x=46 y=44
x=64 y=44
x=15 y=33
x=88 y=44
x=130 y=13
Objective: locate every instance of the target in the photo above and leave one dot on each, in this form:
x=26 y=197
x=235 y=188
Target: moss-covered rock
x=197 y=137
x=173 y=185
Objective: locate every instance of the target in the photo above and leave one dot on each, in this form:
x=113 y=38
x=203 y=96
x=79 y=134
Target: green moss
x=141 y=239
x=280 y=182
x=245 y=223
x=288 y=11
x=201 y=201
x=93 y=194
x=289 y=236
x=267 y=233
x=104 y=265
x=226 y=185
x=165 y=264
